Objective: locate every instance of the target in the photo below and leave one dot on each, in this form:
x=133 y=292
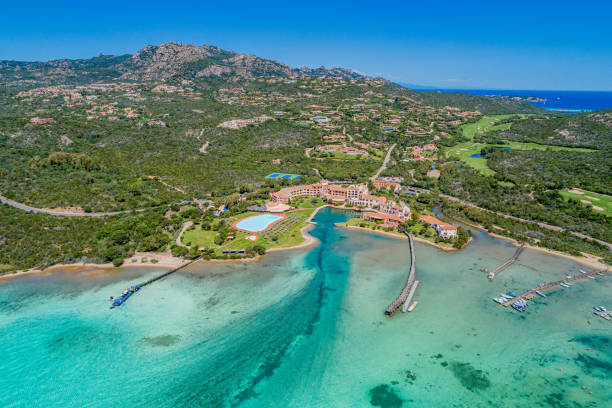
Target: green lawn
x=199 y=238
x=596 y=200
x=307 y=202
x=484 y=125
x=464 y=151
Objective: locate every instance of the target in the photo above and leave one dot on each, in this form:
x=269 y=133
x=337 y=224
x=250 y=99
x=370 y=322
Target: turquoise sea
x=306 y=329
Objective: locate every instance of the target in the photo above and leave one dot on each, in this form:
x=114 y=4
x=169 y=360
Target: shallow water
x=306 y=329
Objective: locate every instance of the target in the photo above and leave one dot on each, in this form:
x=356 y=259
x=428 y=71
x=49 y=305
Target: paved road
x=541 y=224
x=178 y=239
x=62 y=213
x=384 y=165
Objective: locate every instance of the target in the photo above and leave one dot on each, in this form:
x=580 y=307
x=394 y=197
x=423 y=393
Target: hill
x=153 y=63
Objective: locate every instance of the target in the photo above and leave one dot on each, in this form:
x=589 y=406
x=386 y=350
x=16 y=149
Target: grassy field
x=600 y=202
x=464 y=151
x=200 y=238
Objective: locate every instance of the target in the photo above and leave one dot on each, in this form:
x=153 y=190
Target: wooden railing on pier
x=163 y=275
x=507 y=264
x=552 y=284
x=406 y=291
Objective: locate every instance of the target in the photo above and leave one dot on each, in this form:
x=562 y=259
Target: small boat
x=506 y=297
x=603 y=309
x=540 y=293
x=598 y=308
x=412 y=306
x=498 y=300
x=491 y=275
x=581 y=271
x=591 y=277
x=510 y=293
x=565 y=285
x=519 y=305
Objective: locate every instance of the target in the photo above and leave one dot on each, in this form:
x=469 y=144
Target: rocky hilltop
x=157 y=62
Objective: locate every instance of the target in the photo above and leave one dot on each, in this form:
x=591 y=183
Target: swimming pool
x=284 y=176
x=257 y=223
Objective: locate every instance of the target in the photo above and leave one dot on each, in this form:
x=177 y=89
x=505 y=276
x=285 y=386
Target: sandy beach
x=165 y=260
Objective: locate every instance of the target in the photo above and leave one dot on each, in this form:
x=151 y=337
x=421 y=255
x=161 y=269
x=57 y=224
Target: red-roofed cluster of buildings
x=443 y=229
x=389 y=185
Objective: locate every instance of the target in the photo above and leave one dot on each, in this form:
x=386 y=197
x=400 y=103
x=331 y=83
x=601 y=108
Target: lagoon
x=306 y=328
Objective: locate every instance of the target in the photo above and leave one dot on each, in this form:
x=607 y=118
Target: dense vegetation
x=159 y=144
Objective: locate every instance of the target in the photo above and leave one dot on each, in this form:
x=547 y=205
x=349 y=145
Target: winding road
x=384 y=165
x=63 y=213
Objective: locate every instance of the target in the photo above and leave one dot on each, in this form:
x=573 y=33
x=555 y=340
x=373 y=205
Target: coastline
x=167 y=260
x=588 y=260
x=401 y=236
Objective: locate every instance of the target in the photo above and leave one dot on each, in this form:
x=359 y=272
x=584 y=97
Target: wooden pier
x=163 y=275
x=408 y=290
x=491 y=274
x=543 y=287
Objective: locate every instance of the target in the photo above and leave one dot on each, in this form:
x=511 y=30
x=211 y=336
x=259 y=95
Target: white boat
x=540 y=293
x=591 y=277
x=565 y=285
x=581 y=271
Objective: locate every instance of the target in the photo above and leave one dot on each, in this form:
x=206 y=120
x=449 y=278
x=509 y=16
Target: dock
x=409 y=287
x=543 y=287
x=133 y=289
x=491 y=274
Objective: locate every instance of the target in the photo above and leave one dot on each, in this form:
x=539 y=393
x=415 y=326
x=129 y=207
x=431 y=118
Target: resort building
x=389 y=220
x=443 y=229
x=356 y=195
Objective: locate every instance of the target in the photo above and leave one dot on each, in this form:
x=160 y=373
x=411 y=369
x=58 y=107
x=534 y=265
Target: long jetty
x=409 y=287
x=543 y=287
x=136 y=288
x=491 y=274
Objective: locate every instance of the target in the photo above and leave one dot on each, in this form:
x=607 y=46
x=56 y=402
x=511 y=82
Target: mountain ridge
x=158 y=63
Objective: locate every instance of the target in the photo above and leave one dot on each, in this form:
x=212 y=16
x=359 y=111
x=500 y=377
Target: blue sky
x=452 y=44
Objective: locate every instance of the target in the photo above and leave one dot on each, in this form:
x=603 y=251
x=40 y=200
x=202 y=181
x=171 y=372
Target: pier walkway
x=491 y=274
x=133 y=289
x=552 y=284
x=408 y=291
